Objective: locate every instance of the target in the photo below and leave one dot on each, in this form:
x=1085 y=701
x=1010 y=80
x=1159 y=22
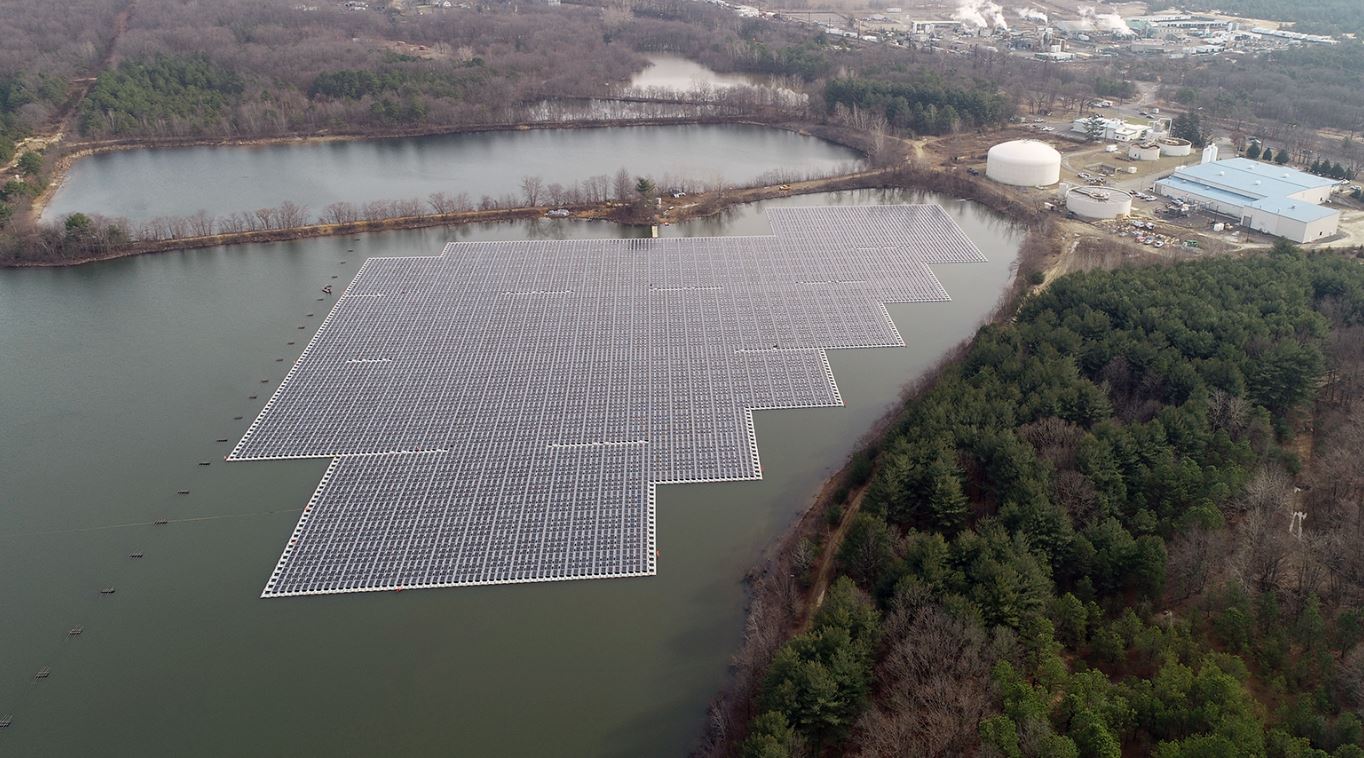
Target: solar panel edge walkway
x=503 y=412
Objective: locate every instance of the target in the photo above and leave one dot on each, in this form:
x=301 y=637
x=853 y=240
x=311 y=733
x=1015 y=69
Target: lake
x=147 y=183
x=120 y=377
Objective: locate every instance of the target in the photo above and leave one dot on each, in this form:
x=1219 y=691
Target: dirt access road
x=78 y=89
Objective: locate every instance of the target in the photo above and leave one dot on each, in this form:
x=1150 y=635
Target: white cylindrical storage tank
x=1174 y=147
x=1144 y=152
x=1098 y=202
x=1024 y=163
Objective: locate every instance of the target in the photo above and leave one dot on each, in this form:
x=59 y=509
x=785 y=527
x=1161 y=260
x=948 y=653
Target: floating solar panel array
x=502 y=412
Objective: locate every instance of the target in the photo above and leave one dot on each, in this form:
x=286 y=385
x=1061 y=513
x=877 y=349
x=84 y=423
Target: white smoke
x=981 y=14
x=1106 y=22
x=1112 y=22
x=1032 y=14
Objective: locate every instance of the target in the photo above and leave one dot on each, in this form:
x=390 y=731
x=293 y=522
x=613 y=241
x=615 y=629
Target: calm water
x=118 y=378
x=143 y=184
x=675 y=72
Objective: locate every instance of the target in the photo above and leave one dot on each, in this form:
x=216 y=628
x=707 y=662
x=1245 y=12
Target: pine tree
x=1282 y=157
x=1253 y=152
x=1094 y=128
x=1267 y=155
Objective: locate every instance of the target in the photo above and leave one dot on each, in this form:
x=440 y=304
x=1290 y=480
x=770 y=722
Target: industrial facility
x=1264 y=197
x=1113 y=129
x=1099 y=202
x=1174 y=147
x=1024 y=163
x=1146 y=151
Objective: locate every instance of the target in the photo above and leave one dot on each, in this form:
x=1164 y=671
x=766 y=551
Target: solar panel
x=503 y=411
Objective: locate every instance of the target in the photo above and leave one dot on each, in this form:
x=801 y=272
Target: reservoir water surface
x=153 y=182
x=121 y=378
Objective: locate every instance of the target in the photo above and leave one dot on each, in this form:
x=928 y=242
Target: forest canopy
x=1114 y=452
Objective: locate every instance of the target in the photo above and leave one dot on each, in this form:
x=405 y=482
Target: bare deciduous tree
x=530 y=189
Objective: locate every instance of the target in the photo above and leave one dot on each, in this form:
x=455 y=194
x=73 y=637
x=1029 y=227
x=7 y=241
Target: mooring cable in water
x=158 y=522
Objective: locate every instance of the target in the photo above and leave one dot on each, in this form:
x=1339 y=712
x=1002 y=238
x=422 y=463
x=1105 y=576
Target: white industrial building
x=1024 y=163
x=1265 y=197
x=1114 y=129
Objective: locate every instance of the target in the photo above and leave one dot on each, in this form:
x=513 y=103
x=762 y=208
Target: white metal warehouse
x=1273 y=199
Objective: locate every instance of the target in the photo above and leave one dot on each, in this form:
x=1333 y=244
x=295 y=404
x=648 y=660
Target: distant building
x=1265 y=197
x=933 y=27
x=1149 y=25
x=1114 y=129
x=1295 y=36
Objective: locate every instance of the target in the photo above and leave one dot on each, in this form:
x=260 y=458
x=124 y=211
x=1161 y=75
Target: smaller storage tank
x=1024 y=163
x=1174 y=147
x=1144 y=152
x=1098 y=202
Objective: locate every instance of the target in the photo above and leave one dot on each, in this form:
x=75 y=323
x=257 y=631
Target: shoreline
x=693 y=206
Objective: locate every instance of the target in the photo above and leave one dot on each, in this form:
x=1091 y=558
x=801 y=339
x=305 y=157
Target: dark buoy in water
x=182 y=492
x=250 y=397
x=107 y=591
x=279 y=360
x=138 y=554
x=291 y=343
x=235 y=418
x=75 y=631
x=265 y=381
x=223 y=439
x=308 y=315
x=43 y=673
x=160 y=522
x=203 y=463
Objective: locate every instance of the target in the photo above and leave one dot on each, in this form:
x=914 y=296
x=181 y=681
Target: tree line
x=1077 y=543
x=80 y=235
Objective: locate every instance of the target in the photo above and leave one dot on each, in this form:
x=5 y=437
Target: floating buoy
x=235 y=418
x=107 y=591
x=75 y=631
x=222 y=439
x=250 y=397
x=160 y=522
x=279 y=360
x=182 y=492
x=203 y=463
x=138 y=554
x=290 y=343
x=6 y=720
x=43 y=673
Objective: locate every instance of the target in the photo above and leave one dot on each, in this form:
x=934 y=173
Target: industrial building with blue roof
x=1265 y=197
